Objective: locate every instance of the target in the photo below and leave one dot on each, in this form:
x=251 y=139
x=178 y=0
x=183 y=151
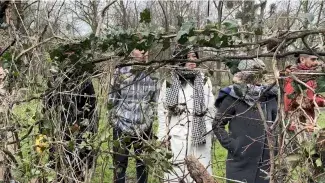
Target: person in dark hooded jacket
x=71 y=116
x=246 y=142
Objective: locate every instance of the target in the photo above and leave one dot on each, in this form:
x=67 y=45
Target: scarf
x=246 y=92
x=199 y=108
x=303 y=68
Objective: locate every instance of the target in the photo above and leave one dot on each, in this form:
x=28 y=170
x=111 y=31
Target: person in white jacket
x=185 y=112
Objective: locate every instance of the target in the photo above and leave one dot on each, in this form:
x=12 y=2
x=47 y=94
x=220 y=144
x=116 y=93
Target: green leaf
x=116 y=143
x=166 y=44
x=231 y=25
x=296 y=86
x=169 y=155
x=145 y=16
x=320 y=84
x=215 y=40
x=293 y=158
x=71 y=145
x=319 y=162
x=232 y=65
x=291 y=96
x=258 y=31
x=186 y=31
x=127 y=139
x=192 y=39
x=224 y=40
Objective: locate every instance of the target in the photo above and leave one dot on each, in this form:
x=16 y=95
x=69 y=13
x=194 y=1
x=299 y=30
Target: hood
x=247 y=93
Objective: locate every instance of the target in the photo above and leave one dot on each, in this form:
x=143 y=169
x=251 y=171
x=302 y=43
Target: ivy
x=186 y=31
x=320 y=84
x=145 y=16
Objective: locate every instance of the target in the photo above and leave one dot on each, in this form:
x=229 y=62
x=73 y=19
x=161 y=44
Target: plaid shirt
x=133 y=98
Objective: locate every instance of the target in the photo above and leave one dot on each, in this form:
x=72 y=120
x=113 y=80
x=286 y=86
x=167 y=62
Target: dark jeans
x=120 y=156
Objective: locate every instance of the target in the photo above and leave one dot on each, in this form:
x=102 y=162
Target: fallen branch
x=197 y=171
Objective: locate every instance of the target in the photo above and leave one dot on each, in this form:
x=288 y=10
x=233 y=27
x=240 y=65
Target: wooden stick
x=197 y=171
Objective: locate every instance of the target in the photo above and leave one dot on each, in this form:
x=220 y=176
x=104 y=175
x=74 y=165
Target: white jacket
x=180 y=131
x=177 y=123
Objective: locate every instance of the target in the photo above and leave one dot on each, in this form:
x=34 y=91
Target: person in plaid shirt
x=132 y=100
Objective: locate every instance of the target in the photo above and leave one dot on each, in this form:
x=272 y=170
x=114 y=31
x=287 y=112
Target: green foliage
x=145 y=16
x=297 y=87
x=6 y=60
x=231 y=25
x=76 y=55
x=185 y=32
x=320 y=84
x=124 y=41
x=232 y=65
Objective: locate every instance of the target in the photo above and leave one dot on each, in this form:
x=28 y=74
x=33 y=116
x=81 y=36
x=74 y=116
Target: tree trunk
x=166 y=24
x=218 y=75
x=124 y=15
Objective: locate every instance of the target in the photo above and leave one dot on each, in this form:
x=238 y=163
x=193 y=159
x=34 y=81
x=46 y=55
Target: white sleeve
x=162 y=113
x=210 y=105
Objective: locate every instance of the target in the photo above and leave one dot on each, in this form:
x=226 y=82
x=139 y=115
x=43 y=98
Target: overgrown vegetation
x=42 y=52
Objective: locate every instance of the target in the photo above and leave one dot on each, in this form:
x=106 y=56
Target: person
x=133 y=99
x=185 y=113
x=70 y=112
x=246 y=142
x=299 y=106
x=305 y=63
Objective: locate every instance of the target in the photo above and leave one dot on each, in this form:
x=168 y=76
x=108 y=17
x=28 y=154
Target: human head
x=139 y=55
x=249 y=71
x=191 y=55
x=309 y=60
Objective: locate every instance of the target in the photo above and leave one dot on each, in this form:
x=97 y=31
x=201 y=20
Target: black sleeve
x=224 y=114
x=274 y=109
x=87 y=102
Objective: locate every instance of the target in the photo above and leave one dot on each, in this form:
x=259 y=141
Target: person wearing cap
x=185 y=113
x=246 y=142
x=132 y=103
x=305 y=62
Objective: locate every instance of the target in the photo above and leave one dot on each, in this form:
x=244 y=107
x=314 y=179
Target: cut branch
x=197 y=171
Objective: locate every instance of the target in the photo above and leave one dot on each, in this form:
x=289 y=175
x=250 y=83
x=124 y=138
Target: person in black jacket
x=71 y=118
x=246 y=142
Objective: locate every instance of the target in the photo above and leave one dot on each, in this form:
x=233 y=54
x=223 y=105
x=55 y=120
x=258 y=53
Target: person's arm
x=114 y=93
x=88 y=106
x=162 y=113
x=226 y=110
x=320 y=100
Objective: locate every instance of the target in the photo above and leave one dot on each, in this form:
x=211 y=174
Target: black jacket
x=72 y=104
x=246 y=141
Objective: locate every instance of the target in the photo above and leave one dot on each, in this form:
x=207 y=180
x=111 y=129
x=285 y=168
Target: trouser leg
x=120 y=156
